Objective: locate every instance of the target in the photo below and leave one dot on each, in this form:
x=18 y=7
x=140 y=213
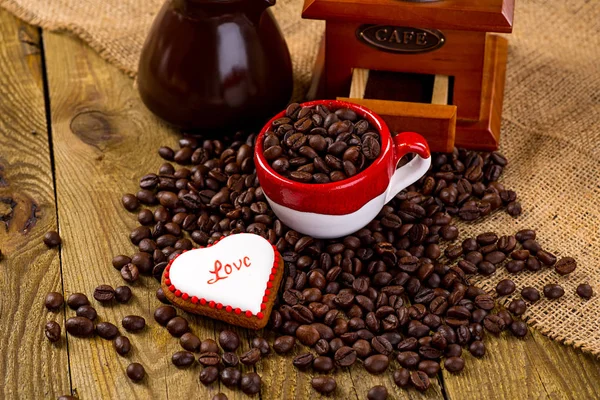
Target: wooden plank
x=30 y=366
x=441 y=87
x=360 y=77
x=533 y=368
x=104 y=140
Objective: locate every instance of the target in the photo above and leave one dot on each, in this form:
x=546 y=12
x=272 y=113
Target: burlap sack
x=550 y=131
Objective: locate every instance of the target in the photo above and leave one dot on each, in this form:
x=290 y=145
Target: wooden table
x=74 y=137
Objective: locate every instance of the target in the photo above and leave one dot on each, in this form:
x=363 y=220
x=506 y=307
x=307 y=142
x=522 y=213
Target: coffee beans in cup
x=318 y=145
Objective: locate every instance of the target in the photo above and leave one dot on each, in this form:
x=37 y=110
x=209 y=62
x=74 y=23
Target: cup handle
x=404 y=143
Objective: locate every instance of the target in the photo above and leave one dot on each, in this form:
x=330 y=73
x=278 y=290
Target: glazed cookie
x=234 y=280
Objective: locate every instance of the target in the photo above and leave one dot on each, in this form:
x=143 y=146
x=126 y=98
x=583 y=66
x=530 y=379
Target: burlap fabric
x=550 y=130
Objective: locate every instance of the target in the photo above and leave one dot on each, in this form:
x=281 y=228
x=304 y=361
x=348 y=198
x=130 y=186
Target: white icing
x=243 y=288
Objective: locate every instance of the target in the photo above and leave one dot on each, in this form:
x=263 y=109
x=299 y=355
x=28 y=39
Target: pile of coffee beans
x=318 y=145
x=393 y=289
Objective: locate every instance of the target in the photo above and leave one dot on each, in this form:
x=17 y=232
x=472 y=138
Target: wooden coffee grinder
x=428 y=66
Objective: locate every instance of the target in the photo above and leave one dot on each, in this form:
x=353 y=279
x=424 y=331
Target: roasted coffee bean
x=130 y=202
x=123 y=294
x=525 y=234
x=120 y=261
x=209 y=358
x=323 y=384
x=345 y=356
x=376 y=364
x=106 y=330
x=547 y=258
x=230 y=359
x=209 y=375
x=505 y=287
x=532 y=246
x=420 y=380
x=177 y=326
x=122 y=345
x=408 y=359
x=182 y=359
x=453 y=350
x=530 y=294
x=136 y=372
x=378 y=392
x=402 y=377
x=190 y=342
x=130 y=273
x=431 y=368
x=303 y=361
x=485 y=302
x=494 y=323
x=506 y=244
x=164 y=314
x=454 y=364
x=52 y=331
x=80 y=326
x=517 y=307
x=515 y=266
x=54 y=301
x=518 y=328
x=565 y=265
x=250 y=383
x=76 y=300
x=284 y=344
x=532 y=264
x=477 y=348
x=250 y=357
x=553 y=291
x=104 y=293
x=585 y=291
x=230 y=377
x=133 y=323
x=229 y=340
x=487 y=238
x=52 y=239
x=323 y=364
x=87 y=311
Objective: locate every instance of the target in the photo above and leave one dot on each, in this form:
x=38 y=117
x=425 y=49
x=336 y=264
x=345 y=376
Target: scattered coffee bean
x=76 y=300
x=345 y=356
x=303 y=361
x=518 y=328
x=123 y=294
x=136 y=372
x=177 y=326
x=122 y=345
x=164 y=314
x=553 y=291
x=209 y=375
x=133 y=323
x=52 y=331
x=323 y=364
x=52 y=239
x=106 y=330
x=230 y=359
x=517 y=307
x=250 y=357
x=209 y=359
x=477 y=348
x=87 y=311
x=530 y=294
x=104 y=293
x=324 y=384
x=130 y=202
x=130 y=273
x=376 y=364
x=431 y=368
x=262 y=345
x=420 y=380
x=565 y=265
x=402 y=377
x=190 y=342
x=230 y=377
x=378 y=392
x=183 y=359
x=66 y=397
x=250 y=383
x=454 y=364
x=220 y=396
x=284 y=344
x=229 y=340
x=209 y=346
x=54 y=301
x=585 y=291
x=80 y=326
x=505 y=287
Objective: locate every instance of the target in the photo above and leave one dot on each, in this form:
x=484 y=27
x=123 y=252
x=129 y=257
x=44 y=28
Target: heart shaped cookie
x=235 y=280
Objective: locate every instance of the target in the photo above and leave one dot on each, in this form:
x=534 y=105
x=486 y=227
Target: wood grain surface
x=102 y=141
x=30 y=366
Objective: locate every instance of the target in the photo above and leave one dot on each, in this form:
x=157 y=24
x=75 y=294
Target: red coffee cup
x=336 y=209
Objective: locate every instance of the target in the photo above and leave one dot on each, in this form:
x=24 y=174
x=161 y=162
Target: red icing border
x=212 y=304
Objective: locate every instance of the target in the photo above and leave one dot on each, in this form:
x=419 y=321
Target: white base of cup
x=325 y=226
